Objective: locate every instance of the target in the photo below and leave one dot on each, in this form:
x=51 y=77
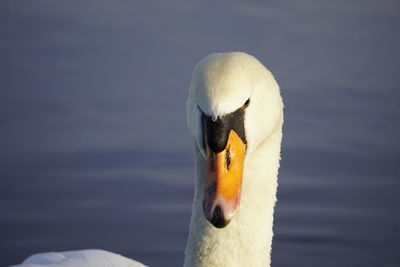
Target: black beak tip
x=218 y=219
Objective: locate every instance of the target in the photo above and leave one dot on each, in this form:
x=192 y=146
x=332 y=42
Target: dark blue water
x=94 y=151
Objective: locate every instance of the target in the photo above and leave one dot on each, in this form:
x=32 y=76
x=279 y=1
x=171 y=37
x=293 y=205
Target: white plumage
x=81 y=258
x=221 y=83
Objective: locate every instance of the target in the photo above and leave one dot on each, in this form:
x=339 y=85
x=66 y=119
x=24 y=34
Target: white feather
x=81 y=258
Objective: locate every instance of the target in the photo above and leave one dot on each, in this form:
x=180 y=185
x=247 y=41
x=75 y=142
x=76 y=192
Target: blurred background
x=94 y=151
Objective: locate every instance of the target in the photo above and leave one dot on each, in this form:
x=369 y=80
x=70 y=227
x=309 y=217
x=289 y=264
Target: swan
x=235 y=115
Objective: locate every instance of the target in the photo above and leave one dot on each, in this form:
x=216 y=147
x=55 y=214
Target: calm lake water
x=94 y=147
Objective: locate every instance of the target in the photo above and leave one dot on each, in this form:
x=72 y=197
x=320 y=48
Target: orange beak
x=223 y=181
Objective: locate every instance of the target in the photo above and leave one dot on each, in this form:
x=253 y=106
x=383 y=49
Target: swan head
x=234 y=105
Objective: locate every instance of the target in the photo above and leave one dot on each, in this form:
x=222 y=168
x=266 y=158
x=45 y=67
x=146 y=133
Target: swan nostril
x=218 y=219
x=228 y=158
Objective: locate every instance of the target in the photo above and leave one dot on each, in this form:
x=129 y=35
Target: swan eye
x=247 y=103
x=203 y=143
